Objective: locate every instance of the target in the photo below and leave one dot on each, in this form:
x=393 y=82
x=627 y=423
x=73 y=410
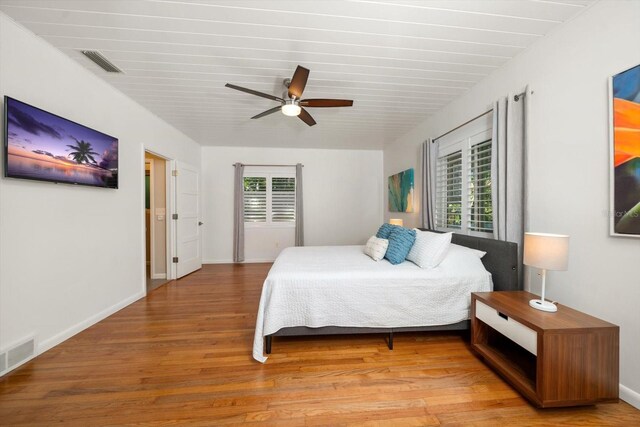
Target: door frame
x=152 y=205
x=170 y=224
x=172 y=245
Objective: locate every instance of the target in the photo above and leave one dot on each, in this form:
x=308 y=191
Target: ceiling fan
x=291 y=102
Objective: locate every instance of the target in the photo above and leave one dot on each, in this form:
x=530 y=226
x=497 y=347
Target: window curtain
x=429 y=161
x=238 y=213
x=299 y=207
x=508 y=174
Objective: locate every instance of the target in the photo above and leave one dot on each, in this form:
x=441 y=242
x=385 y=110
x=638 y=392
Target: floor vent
x=101 y=61
x=20 y=353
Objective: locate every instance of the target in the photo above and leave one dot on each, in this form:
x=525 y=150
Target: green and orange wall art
x=626 y=152
x=401 y=191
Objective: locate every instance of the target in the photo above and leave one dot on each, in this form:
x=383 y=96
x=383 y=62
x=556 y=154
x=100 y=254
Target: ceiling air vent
x=101 y=61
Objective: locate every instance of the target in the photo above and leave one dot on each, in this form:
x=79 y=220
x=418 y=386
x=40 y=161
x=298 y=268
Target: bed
x=340 y=290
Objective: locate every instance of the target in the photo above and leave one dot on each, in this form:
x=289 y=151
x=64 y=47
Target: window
x=463 y=180
x=269 y=199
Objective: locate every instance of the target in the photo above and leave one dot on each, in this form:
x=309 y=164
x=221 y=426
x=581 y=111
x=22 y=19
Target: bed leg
x=390 y=341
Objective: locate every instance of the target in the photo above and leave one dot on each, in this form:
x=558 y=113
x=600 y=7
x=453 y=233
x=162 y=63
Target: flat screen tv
x=43 y=146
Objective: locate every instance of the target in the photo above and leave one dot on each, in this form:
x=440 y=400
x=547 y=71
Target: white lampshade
x=396 y=221
x=546 y=251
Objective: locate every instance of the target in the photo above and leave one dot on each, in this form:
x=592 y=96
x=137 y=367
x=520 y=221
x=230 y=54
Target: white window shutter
x=269 y=199
x=255 y=199
x=479 y=211
x=463 y=180
x=449 y=191
x=283 y=199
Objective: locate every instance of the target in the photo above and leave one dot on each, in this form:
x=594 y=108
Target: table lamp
x=546 y=252
x=396 y=221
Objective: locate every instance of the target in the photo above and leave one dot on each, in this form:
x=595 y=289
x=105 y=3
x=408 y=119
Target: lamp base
x=543 y=305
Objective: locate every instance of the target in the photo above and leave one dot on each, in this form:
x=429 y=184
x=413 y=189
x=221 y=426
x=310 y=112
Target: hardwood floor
x=182 y=355
x=153 y=284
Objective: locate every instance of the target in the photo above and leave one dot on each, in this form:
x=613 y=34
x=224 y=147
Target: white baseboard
x=159 y=276
x=630 y=396
x=230 y=261
x=79 y=327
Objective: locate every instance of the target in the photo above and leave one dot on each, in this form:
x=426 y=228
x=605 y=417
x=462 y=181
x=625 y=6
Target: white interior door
x=189 y=257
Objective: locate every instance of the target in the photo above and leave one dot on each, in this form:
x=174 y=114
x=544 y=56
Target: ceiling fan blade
x=326 y=103
x=266 y=113
x=254 y=92
x=298 y=82
x=306 y=117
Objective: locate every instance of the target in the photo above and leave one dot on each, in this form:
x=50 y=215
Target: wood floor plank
x=182 y=356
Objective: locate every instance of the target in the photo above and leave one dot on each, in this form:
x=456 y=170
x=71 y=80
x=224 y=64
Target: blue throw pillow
x=400 y=242
x=384 y=231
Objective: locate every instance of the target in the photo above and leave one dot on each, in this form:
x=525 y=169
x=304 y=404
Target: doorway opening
x=157 y=271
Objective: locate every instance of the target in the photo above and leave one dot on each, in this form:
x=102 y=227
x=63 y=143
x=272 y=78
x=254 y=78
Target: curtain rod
x=277 y=166
x=519 y=95
x=516 y=98
x=458 y=127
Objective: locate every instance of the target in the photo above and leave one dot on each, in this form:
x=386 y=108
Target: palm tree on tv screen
x=83 y=152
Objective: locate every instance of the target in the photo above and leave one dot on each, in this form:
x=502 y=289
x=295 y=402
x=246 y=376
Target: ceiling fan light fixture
x=290 y=108
x=291 y=102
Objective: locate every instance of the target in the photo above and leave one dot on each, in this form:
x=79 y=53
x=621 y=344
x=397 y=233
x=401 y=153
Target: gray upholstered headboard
x=501 y=260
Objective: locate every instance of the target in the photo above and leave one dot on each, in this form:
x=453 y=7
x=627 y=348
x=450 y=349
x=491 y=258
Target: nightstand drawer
x=515 y=331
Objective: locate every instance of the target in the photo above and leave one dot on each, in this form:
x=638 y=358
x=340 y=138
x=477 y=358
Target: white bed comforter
x=341 y=286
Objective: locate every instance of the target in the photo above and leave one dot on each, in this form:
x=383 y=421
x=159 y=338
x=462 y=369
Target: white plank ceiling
x=400 y=61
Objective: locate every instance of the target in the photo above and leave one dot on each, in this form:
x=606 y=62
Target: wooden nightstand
x=565 y=358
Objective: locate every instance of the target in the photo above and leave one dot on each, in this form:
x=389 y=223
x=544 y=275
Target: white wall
x=342 y=198
x=71 y=255
x=568 y=162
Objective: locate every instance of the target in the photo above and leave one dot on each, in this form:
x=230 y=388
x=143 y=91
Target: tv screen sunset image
x=43 y=146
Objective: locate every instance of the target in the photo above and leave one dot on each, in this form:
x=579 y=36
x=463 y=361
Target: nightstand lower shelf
x=515 y=372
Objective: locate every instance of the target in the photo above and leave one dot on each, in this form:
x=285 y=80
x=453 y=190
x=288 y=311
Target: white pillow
x=463 y=261
x=429 y=249
x=376 y=248
x=476 y=252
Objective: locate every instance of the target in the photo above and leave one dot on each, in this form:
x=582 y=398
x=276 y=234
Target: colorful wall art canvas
x=626 y=152
x=401 y=191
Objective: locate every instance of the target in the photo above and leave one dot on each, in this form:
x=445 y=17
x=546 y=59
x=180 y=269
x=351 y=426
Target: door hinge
x=174 y=172
x=174 y=216
x=175 y=259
